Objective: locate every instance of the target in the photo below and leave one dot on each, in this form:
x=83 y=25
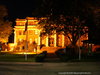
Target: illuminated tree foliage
x=70 y=26
x=5 y=26
x=87 y=10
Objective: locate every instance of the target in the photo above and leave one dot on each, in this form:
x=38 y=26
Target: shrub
x=67 y=54
x=62 y=55
x=40 y=57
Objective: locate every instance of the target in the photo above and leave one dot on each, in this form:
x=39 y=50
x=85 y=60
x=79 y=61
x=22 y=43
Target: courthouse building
x=50 y=42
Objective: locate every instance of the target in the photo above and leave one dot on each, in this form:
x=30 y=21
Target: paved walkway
x=32 y=68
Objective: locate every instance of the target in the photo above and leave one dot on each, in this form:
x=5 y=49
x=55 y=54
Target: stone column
x=38 y=47
x=62 y=40
x=55 y=40
x=47 y=41
x=15 y=36
x=39 y=40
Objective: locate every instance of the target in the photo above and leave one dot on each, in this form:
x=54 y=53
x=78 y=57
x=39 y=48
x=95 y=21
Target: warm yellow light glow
x=62 y=40
x=47 y=41
x=24 y=53
x=35 y=50
x=5 y=49
x=11 y=49
x=11 y=46
x=20 y=39
x=34 y=32
x=30 y=40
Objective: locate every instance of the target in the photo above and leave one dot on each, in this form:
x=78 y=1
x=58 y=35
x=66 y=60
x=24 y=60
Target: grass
x=84 y=60
x=89 y=58
x=16 y=57
x=7 y=57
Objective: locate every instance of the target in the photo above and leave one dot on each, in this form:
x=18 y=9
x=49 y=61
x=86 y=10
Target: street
x=33 y=68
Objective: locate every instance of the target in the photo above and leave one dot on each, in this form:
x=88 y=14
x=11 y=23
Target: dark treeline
x=87 y=10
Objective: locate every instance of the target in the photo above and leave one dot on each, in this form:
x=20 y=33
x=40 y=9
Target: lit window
x=36 y=40
x=20 y=32
x=31 y=23
x=30 y=32
x=30 y=40
x=20 y=39
x=36 y=32
x=20 y=23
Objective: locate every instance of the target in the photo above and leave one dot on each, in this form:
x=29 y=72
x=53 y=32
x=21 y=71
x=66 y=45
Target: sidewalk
x=32 y=68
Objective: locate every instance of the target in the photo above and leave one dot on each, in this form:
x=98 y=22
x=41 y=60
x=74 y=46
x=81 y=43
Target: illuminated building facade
x=50 y=42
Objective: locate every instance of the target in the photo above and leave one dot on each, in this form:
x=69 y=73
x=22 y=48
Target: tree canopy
x=5 y=25
x=70 y=26
x=3 y=12
x=85 y=10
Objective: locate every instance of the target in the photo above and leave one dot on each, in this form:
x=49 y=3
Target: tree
x=93 y=11
x=44 y=8
x=5 y=26
x=87 y=10
x=70 y=26
x=3 y=12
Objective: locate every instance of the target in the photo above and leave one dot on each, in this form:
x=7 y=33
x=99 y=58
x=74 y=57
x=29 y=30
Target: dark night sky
x=24 y=8
x=19 y=8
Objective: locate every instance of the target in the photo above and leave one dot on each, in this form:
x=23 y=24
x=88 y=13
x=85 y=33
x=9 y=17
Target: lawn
x=7 y=57
x=16 y=57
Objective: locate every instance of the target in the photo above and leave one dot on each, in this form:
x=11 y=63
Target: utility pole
x=26 y=45
x=79 y=47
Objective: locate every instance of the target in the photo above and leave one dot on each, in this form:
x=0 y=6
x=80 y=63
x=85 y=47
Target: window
x=23 y=32
x=31 y=40
x=30 y=32
x=31 y=23
x=23 y=47
x=36 y=32
x=36 y=40
x=20 y=32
